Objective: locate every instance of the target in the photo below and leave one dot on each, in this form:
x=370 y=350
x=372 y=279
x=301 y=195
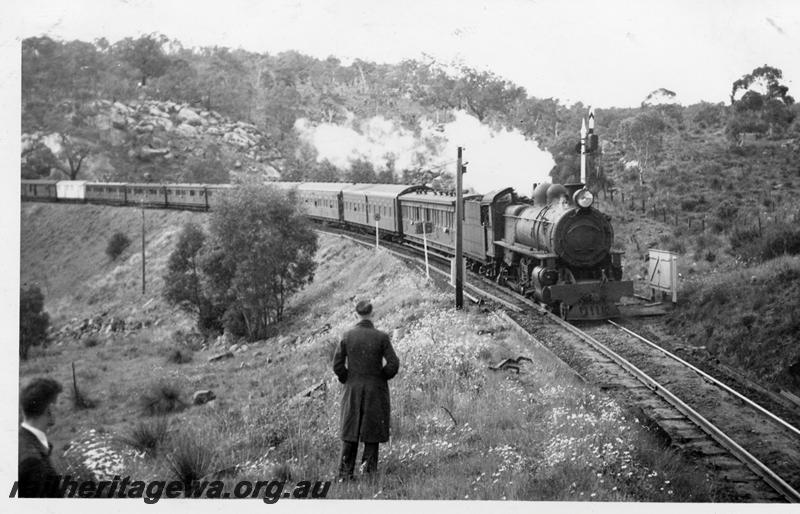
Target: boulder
x=121 y=107
x=186 y=130
x=237 y=139
x=203 y=396
x=164 y=123
x=144 y=127
x=220 y=356
x=154 y=110
x=246 y=126
x=187 y=115
x=146 y=153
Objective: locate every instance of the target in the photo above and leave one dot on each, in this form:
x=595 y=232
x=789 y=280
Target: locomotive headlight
x=584 y=198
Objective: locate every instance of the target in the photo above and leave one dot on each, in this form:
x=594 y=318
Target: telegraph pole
x=143 y=275
x=459 y=234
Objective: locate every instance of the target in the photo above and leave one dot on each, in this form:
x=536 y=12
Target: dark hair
x=38 y=395
x=364 y=308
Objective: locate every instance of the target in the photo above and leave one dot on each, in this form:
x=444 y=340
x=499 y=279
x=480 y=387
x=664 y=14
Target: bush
x=33 y=322
x=116 y=245
x=190 y=461
x=161 y=398
x=146 y=437
x=781 y=240
x=177 y=356
x=744 y=241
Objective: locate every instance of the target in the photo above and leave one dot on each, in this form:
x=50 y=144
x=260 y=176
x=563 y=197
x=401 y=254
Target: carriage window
x=208 y=193
x=137 y=191
x=191 y=193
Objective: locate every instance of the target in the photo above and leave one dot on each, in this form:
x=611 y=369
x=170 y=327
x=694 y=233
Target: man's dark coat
x=365 y=402
x=37 y=477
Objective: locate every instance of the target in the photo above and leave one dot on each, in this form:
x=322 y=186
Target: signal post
x=459 y=233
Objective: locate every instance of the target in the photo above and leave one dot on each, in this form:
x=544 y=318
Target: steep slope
x=63 y=250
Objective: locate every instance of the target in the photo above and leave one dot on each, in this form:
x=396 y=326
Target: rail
x=713 y=380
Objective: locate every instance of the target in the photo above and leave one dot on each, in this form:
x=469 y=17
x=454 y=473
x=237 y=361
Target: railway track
x=753 y=451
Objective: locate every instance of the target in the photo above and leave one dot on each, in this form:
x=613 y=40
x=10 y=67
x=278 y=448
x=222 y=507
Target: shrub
x=178 y=356
x=146 y=437
x=116 y=245
x=190 y=461
x=161 y=398
x=33 y=322
x=781 y=240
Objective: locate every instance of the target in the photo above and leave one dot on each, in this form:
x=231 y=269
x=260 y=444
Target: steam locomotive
x=557 y=248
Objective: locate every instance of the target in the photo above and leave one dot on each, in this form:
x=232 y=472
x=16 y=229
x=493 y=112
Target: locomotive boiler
x=559 y=250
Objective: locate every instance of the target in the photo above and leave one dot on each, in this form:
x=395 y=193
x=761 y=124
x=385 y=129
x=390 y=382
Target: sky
x=603 y=53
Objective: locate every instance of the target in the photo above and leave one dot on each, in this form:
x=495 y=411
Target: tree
x=643 y=137
x=767 y=79
x=146 y=55
x=265 y=249
x=184 y=279
x=659 y=96
x=764 y=106
x=362 y=172
x=33 y=321
x=484 y=92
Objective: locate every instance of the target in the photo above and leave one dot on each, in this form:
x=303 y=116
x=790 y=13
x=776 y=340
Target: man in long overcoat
x=359 y=365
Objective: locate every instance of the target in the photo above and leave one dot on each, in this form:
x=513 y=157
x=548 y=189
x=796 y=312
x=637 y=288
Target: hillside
x=63 y=251
x=460 y=431
x=729 y=213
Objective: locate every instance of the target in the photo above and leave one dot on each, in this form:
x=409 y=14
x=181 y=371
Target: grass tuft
x=190 y=461
x=178 y=356
x=147 y=436
x=161 y=398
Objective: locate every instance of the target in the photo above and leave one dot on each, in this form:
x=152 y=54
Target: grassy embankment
x=736 y=298
x=459 y=429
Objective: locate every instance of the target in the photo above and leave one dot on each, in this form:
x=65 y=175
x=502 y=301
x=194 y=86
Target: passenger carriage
x=361 y=203
x=113 y=193
x=148 y=195
x=321 y=200
x=186 y=196
x=39 y=189
x=432 y=211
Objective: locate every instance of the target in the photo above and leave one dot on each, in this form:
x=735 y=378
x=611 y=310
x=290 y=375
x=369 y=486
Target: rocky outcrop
x=159 y=134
